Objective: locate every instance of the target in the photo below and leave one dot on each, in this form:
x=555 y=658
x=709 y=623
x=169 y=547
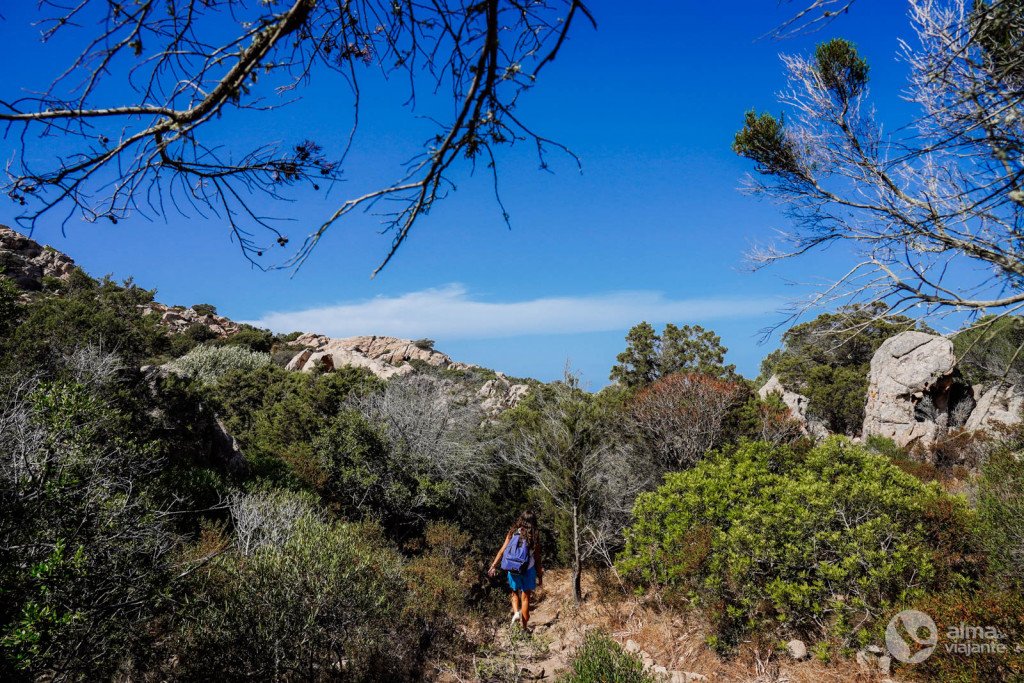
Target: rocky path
x=670 y=644
x=558 y=627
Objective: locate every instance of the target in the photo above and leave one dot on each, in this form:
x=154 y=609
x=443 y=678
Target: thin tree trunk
x=577 y=592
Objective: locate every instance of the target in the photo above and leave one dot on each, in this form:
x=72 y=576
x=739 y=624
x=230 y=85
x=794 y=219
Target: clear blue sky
x=654 y=228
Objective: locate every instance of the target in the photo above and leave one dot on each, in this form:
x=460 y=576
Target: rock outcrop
x=499 y=394
x=797 y=404
x=177 y=319
x=998 y=405
x=915 y=392
x=385 y=357
x=27 y=262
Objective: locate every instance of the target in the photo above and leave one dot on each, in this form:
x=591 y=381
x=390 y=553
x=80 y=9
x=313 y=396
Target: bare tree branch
x=185 y=68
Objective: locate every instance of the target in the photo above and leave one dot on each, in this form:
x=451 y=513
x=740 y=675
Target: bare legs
x=521 y=604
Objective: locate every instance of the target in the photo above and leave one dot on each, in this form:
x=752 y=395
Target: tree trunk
x=577 y=569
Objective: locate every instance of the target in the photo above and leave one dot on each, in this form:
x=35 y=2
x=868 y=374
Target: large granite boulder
x=27 y=262
x=797 y=404
x=915 y=392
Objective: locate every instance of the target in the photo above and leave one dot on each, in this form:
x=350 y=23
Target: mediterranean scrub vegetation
x=177 y=505
x=342 y=528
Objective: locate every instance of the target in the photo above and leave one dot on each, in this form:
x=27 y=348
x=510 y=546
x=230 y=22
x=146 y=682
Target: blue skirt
x=523 y=582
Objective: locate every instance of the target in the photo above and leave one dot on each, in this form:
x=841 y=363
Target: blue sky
x=654 y=228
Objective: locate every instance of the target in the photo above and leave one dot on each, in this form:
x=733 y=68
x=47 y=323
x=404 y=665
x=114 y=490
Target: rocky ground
x=670 y=643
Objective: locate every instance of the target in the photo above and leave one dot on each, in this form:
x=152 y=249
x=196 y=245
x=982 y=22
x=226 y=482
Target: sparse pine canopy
x=763 y=140
x=843 y=72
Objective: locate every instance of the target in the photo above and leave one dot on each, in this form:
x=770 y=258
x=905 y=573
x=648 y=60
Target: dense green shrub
x=276 y=415
x=765 y=537
x=251 y=338
x=83 y=550
x=207 y=364
x=205 y=309
x=10 y=309
x=361 y=473
x=601 y=660
x=297 y=597
x=1001 y=512
x=86 y=312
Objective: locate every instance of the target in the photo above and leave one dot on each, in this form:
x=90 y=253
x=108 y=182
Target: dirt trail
x=670 y=644
x=558 y=626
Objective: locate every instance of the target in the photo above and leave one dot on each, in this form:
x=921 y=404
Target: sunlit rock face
x=27 y=262
x=915 y=392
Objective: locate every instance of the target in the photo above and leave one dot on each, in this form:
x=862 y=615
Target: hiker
x=520 y=557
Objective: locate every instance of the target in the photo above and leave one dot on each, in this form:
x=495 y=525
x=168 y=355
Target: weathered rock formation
x=915 y=392
x=27 y=262
x=997 y=405
x=499 y=394
x=385 y=357
x=797 y=404
x=177 y=319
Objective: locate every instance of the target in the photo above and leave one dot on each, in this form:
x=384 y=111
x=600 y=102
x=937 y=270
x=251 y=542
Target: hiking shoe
x=516 y=618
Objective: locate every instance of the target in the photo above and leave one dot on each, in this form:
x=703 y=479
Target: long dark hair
x=526 y=526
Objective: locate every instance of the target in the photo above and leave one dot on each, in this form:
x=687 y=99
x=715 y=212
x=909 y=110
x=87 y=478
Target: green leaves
x=763 y=140
x=841 y=69
x=601 y=660
x=791 y=541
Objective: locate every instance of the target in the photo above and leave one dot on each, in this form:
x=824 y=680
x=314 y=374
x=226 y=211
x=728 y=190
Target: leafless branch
x=189 y=64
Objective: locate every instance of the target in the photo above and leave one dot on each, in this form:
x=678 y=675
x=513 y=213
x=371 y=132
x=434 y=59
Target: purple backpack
x=516 y=557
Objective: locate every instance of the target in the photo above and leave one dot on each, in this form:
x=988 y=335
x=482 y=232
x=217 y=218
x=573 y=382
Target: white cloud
x=451 y=313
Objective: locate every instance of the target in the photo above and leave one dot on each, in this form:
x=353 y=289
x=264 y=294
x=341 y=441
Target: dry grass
x=675 y=638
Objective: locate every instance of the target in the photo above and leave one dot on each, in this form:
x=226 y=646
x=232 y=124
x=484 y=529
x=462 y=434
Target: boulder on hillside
x=797 y=404
x=915 y=392
x=388 y=350
x=998 y=405
x=499 y=394
x=27 y=262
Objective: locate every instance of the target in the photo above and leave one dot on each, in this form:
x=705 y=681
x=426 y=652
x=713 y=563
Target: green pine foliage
x=649 y=356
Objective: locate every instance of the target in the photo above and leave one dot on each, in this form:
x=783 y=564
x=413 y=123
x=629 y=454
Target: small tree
x=585 y=473
x=689 y=348
x=990 y=350
x=679 y=418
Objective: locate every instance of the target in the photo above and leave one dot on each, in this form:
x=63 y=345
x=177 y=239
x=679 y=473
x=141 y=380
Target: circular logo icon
x=911 y=636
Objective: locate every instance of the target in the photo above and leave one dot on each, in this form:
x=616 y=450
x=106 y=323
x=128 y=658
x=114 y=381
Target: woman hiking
x=520 y=557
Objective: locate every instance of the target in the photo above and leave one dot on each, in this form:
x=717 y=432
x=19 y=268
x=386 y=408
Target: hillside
x=190 y=498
